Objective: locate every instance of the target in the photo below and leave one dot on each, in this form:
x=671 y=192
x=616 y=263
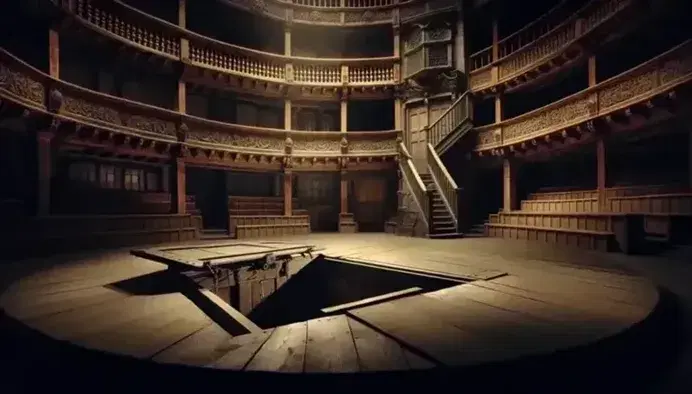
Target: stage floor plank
x=549 y=299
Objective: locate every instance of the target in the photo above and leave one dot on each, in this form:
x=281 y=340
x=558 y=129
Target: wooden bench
x=260 y=206
x=560 y=206
x=564 y=221
x=347 y=223
x=52 y=234
x=673 y=204
x=592 y=240
x=242 y=227
x=264 y=212
x=611 y=192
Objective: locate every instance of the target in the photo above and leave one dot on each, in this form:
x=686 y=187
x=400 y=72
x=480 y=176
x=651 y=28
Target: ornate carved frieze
x=372 y=146
x=22 y=86
x=236 y=140
x=368 y=16
x=306 y=142
x=315 y=16
x=90 y=110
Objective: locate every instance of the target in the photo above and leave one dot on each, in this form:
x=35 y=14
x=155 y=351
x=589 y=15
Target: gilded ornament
x=21 y=85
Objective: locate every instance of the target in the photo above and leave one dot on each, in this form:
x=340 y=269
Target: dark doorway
x=209 y=188
x=319 y=194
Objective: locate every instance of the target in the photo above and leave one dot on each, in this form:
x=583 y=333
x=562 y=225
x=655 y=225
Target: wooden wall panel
x=319 y=193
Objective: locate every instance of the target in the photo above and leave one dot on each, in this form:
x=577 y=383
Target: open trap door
x=328 y=286
x=275 y=284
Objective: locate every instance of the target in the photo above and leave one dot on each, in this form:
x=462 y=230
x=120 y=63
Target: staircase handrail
x=448 y=120
x=449 y=191
x=416 y=186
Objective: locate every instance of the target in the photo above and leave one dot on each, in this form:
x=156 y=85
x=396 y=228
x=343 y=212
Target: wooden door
x=416 y=122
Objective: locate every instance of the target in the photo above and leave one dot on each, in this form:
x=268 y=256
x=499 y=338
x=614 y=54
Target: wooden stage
x=543 y=300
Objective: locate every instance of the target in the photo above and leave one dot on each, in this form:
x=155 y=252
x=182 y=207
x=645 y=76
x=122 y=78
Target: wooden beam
x=509 y=184
x=288 y=193
x=178 y=186
x=344 y=192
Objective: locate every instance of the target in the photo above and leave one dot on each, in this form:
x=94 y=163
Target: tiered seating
x=256 y=217
x=51 y=234
x=258 y=206
x=347 y=223
x=268 y=226
x=572 y=218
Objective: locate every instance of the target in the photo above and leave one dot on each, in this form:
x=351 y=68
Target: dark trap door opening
x=331 y=286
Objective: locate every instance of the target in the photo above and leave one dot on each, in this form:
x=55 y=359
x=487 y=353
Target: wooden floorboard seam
x=405 y=345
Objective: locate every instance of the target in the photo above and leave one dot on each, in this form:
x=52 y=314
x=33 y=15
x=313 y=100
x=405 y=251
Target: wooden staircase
x=442 y=223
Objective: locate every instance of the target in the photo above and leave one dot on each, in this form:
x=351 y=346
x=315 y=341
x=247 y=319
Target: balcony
x=574 y=118
x=202 y=55
x=546 y=46
x=89 y=120
x=427 y=51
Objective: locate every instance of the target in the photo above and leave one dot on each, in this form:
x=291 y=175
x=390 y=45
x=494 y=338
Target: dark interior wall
x=318 y=41
x=106 y=73
x=260 y=184
x=162 y=9
x=650 y=40
x=225 y=23
x=570 y=81
x=231 y=108
x=18 y=167
x=22 y=35
x=319 y=194
x=316 y=116
x=369 y=115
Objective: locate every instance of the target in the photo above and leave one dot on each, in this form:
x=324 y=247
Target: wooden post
x=397 y=42
x=288 y=193
x=344 y=115
x=398 y=114
x=509 y=185
x=344 y=192
x=53 y=53
x=496 y=41
x=288 y=111
x=592 y=71
x=181 y=105
x=601 y=174
x=178 y=186
x=287 y=41
x=182 y=23
x=44 y=174
x=499 y=115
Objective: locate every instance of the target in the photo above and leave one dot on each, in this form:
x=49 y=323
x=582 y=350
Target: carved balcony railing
x=421 y=195
x=539 y=43
x=654 y=78
x=451 y=125
x=449 y=190
x=347 y=12
x=105 y=119
x=145 y=32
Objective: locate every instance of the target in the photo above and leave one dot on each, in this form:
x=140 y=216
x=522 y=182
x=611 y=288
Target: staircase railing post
x=429 y=198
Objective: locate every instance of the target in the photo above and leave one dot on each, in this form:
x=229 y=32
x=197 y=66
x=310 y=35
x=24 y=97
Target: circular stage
x=511 y=302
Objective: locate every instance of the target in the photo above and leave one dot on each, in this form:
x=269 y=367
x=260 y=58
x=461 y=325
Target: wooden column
x=288 y=193
x=344 y=192
x=53 y=53
x=344 y=115
x=496 y=41
x=288 y=112
x=181 y=104
x=182 y=23
x=45 y=171
x=397 y=42
x=499 y=113
x=178 y=186
x=287 y=41
x=398 y=114
x=601 y=174
x=509 y=185
x=592 y=71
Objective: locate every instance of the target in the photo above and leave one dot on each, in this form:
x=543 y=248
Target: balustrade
x=639 y=84
x=421 y=196
x=146 y=32
x=546 y=37
x=449 y=190
x=450 y=120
